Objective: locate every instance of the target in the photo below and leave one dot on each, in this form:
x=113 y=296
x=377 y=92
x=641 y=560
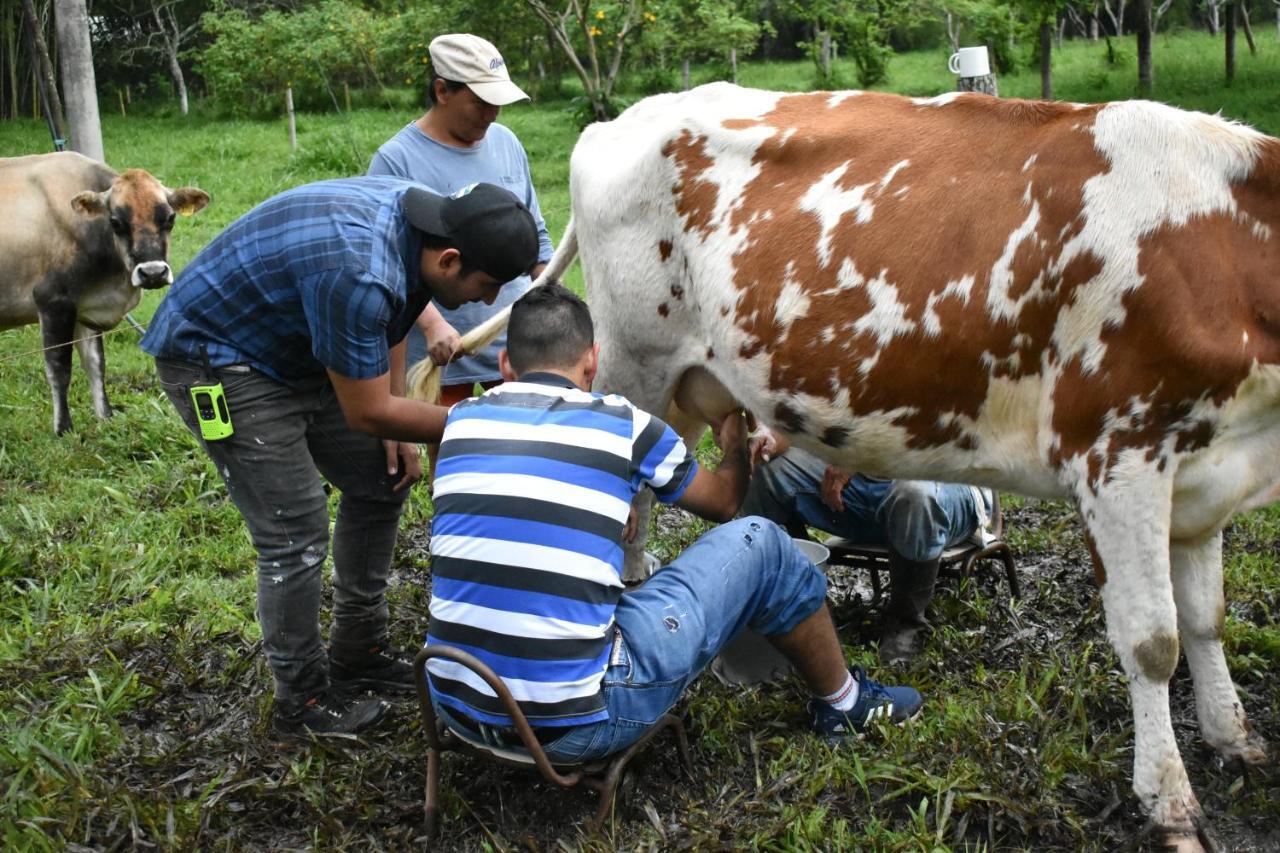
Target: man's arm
x=370 y=406
x=717 y=495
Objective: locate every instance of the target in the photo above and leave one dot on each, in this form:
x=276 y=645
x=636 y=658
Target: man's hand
x=765 y=445
x=731 y=435
x=443 y=341
x=444 y=344
x=833 y=482
x=402 y=456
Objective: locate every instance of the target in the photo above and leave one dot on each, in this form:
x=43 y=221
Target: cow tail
x=425 y=376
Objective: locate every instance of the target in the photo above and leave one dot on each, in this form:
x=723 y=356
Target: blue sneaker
x=875 y=702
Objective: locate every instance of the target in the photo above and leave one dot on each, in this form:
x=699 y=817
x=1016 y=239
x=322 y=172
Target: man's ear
x=590 y=364
x=504 y=367
x=448 y=259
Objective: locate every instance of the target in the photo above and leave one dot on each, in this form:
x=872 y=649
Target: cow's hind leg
x=1128 y=527
x=1197 y=588
x=57 y=327
x=92 y=359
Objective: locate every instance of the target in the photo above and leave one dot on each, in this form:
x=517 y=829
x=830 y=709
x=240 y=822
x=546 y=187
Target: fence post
x=293 y=124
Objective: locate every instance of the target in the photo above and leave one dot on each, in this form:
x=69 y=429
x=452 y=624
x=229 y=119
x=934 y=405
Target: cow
x=80 y=245
x=1059 y=300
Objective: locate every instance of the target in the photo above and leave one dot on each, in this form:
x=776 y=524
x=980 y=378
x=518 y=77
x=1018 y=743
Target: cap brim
x=424 y=210
x=498 y=93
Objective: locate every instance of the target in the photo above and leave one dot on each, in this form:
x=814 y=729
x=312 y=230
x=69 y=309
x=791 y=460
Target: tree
x=694 y=29
x=52 y=101
x=75 y=56
x=627 y=18
x=1146 y=73
x=152 y=30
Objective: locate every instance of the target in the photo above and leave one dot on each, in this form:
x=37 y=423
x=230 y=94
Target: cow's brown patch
x=695 y=197
x=1157 y=656
x=711 y=353
x=663 y=310
x=664 y=249
x=1099 y=570
x=677 y=292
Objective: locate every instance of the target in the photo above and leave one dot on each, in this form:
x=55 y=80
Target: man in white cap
x=457 y=142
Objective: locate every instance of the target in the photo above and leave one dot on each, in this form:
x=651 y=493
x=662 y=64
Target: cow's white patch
x=793 y=302
x=830 y=203
x=937 y=100
x=960 y=288
x=887 y=318
x=1031 y=161
x=838 y=98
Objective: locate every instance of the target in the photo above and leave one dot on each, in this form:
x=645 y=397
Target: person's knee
x=911 y=519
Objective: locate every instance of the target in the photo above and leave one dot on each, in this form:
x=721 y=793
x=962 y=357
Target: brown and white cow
x=1060 y=300
x=79 y=246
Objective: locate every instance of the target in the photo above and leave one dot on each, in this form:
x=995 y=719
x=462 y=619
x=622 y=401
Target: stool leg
x=1010 y=573
x=432 y=807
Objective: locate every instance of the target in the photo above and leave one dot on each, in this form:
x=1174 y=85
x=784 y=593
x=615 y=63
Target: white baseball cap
x=464 y=58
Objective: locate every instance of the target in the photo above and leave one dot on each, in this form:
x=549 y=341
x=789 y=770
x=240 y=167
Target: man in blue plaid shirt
x=299 y=309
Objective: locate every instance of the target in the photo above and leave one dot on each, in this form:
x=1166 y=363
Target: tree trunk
x=1093 y=27
x=1211 y=6
x=826 y=55
x=78 y=81
x=1061 y=32
x=179 y=82
x=953 y=31
x=1146 y=73
x=35 y=34
x=684 y=73
x=733 y=64
x=1229 y=43
x=1046 y=51
x=1248 y=30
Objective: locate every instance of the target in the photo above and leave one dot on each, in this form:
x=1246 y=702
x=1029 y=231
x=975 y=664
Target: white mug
x=970 y=62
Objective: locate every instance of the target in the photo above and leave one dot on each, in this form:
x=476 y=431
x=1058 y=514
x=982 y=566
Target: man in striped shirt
x=532 y=497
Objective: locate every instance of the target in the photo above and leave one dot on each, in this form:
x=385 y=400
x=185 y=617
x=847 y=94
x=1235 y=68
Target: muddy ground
x=199 y=769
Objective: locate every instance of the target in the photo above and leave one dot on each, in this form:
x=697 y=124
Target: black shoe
x=326 y=714
x=381 y=669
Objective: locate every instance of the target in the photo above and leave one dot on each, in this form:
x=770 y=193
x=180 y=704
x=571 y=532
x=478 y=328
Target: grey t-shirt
x=499 y=159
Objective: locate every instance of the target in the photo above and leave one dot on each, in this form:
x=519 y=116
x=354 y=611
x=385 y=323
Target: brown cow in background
x=79 y=245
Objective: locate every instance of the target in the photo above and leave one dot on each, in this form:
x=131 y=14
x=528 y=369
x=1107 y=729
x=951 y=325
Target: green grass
x=134 y=700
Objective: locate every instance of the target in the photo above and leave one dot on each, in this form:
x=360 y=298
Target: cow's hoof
x=1253 y=751
x=1196 y=838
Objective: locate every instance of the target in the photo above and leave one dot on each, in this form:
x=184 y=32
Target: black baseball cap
x=492 y=229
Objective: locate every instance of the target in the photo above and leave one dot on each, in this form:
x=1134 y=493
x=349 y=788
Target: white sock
x=844 y=698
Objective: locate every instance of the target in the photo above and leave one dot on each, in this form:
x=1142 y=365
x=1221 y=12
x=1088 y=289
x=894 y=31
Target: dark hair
x=550 y=327
x=437 y=243
x=449 y=86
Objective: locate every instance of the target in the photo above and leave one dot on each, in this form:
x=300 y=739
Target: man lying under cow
x=282 y=348
x=532 y=495
x=916 y=519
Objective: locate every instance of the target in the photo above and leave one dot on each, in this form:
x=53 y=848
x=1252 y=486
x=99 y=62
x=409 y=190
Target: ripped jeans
x=746 y=572
x=284 y=438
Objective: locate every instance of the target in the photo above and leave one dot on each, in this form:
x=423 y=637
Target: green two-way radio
x=211 y=404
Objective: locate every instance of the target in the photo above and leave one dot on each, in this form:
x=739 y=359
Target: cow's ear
x=188 y=200
x=90 y=203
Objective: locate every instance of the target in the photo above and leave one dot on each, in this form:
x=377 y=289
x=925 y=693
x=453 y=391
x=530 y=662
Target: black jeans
x=284 y=439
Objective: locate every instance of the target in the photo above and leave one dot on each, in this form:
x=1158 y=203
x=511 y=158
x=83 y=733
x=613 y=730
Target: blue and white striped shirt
x=533 y=487
x=326 y=275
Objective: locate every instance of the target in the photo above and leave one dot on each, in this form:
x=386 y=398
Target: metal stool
x=602 y=775
x=956 y=561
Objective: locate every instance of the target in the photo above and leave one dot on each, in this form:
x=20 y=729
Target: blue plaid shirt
x=325 y=275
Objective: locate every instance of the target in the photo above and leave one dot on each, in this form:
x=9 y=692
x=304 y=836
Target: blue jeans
x=744 y=573
x=284 y=439
x=918 y=519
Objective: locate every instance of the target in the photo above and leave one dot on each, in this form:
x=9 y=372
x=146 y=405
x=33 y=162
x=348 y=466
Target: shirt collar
x=542 y=377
